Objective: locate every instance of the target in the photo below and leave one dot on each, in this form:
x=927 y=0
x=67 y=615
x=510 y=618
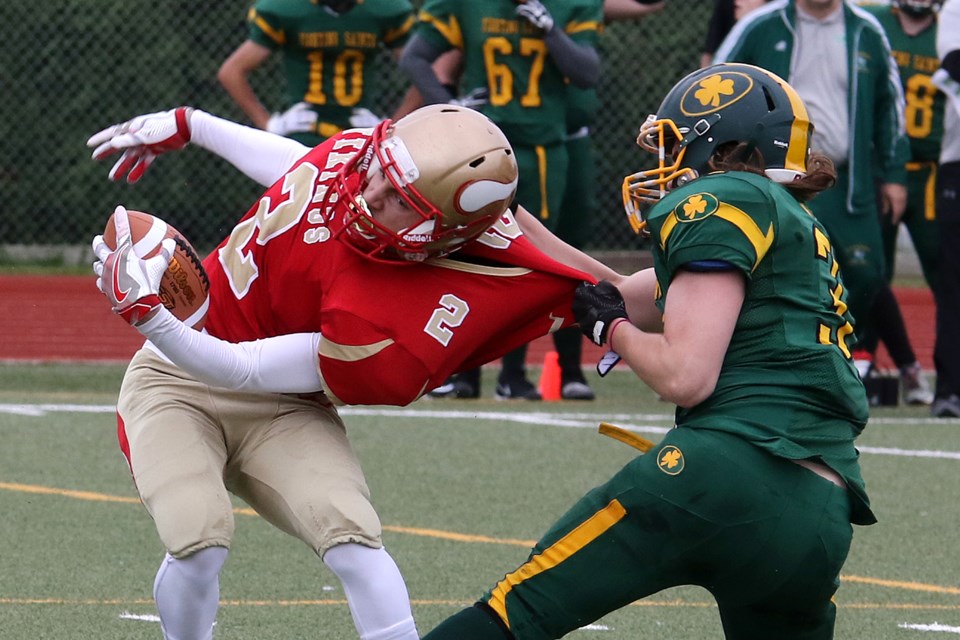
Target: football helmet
x=450 y=164
x=725 y=103
x=918 y=8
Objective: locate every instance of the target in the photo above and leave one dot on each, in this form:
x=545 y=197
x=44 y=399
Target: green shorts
x=765 y=536
x=543 y=173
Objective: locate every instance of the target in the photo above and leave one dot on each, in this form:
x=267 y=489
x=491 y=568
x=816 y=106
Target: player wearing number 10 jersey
x=330 y=51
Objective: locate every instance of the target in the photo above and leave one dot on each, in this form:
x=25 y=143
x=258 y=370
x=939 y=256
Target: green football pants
x=765 y=536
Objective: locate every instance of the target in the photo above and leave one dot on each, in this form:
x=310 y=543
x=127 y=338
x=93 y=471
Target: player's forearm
x=614 y=10
x=639 y=296
x=261 y=156
x=580 y=63
x=560 y=251
x=417 y=62
x=283 y=364
x=242 y=93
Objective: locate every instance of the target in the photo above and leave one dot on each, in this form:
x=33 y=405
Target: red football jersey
x=391 y=332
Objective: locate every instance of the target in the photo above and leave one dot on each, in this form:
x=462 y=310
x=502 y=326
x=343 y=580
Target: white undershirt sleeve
x=282 y=364
x=261 y=155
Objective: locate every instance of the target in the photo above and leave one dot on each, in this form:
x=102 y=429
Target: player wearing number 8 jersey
x=375 y=266
x=743 y=323
x=911 y=28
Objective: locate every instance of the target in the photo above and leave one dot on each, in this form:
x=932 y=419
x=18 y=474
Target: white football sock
x=375 y=592
x=187 y=593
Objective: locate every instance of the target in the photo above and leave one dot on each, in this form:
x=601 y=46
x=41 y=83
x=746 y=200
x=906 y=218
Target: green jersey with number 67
x=328 y=59
x=509 y=56
x=788 y=384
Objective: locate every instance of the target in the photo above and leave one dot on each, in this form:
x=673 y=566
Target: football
x=184 y=286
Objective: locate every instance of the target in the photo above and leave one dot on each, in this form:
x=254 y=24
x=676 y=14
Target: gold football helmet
x=711 y=107
x=451 y=165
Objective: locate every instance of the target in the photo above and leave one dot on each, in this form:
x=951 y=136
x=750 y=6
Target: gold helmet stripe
x=796 y=158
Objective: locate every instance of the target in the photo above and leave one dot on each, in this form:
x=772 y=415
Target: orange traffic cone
x=550 y=376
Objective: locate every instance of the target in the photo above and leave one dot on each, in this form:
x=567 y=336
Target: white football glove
x=473 y=99
x=536 y=14
x=297 y=119
x=142 y=139
x=130 y=283
x=362 y=118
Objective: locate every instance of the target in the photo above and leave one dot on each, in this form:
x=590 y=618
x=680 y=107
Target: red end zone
x=66 y=318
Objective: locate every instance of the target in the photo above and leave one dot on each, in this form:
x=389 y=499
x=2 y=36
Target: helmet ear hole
x=771 y=105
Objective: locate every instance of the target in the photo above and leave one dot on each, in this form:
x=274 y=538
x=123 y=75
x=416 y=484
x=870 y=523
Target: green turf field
x=462 y=487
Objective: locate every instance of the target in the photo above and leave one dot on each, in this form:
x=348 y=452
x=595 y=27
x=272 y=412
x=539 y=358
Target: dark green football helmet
x=725 y=103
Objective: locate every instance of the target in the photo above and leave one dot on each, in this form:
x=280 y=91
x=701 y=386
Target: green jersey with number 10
x=328 y=60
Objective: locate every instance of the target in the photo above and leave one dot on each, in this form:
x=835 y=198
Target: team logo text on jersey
x=670 y=460
x=696 y=207
x=715 y=92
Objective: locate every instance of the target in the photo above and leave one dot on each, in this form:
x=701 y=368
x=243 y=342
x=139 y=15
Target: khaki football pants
x=190 y=445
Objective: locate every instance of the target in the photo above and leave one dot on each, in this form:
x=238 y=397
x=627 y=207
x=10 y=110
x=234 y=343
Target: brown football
x=184 y=286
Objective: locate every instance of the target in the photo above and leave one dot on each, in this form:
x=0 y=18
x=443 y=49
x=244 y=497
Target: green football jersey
x=916 y=57
x=582 y=107
x=506 y=54
x=328 y=60
x=788 y=383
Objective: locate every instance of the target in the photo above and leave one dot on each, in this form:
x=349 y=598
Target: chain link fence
x=70 y=67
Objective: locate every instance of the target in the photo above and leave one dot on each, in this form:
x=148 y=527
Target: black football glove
x=596 y=306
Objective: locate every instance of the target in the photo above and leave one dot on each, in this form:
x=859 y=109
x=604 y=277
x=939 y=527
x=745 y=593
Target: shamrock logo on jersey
x=670 y=460
x=696 y=207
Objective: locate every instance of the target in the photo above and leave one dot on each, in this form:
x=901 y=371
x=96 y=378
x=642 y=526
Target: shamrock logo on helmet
x=715 y=92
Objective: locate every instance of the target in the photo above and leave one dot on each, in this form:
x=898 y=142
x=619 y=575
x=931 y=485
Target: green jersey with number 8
x=916 y=58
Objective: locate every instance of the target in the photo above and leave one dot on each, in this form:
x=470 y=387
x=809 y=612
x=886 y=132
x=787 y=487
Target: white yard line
x=658 y=423
x=936 y=626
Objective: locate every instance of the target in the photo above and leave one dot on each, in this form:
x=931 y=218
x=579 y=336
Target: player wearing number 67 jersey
x=742 y=322
x=524 y=54
x=377 y=264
